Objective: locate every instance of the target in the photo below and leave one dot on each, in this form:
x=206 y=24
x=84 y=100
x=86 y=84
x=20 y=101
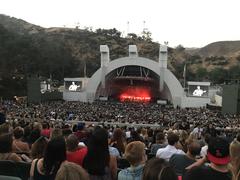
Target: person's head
x=97 y=158
x=118 y=137
x=234 y=150
x=71 y=171
x=194 y=148
x=160 y=138
x=72 y=142
x=218 y=151
x=172 y=138
x=45 y=125
x=39 y=147
x=6 y=141
x=158 y=169
x=54 y=155
x=18 y=132
x=198 y=87
x=135 y=153
x=56 y=132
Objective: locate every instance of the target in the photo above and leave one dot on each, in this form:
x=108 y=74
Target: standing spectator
x=170 y=149
x=39 y=147
x=218 y=155
x=98 y=163
x=47 y=167
x=75 y=153
x=6 y=148
x=18 y=145
x=160 y=143
x=71 y=171
x=180 y=161
x=135 y=154
x=158 y=169
x=117 y=141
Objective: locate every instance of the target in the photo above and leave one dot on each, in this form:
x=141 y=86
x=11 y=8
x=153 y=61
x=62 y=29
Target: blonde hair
x=235 y=159
x=71 y=171
x=135 y=152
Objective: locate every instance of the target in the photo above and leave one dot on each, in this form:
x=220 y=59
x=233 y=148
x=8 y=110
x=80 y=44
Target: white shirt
x=167 y=152
x=204 y=151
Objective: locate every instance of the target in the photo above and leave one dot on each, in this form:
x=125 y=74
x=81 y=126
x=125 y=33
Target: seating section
x=9 y=178
x=16 y=169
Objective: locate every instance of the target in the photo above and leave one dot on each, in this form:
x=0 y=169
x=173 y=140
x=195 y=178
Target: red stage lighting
x=136 y=94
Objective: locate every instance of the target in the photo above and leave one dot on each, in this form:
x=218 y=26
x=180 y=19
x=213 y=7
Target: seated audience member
x=158 y=169
x=18 y=144
x=170 y=149
x=47 y=167
x=180 y=161
x=160 y=143
x=98 y=162
x=75 y=153
x=6 y=153
x=39 y=147
x=218 y=155
x=135 y=154
x=71 y=171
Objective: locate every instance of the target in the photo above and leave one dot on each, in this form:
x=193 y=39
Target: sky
x=191 y=23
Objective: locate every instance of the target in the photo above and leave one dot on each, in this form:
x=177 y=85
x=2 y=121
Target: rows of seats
x=16 y=169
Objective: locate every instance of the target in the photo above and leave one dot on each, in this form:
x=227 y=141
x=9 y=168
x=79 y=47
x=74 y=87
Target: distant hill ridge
x=220 y=48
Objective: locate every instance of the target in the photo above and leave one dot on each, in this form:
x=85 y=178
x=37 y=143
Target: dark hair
x=71 y=142
x=18 y=132
x=35 y=134
x=39 y=147
x=207 y=138
x=6 y=143
x=194 y=148
x=158 y=169
x=118 y=137
x=54 y=155
x=45 y=125
x=97 y=158
x=172 y=138
x=160 y=136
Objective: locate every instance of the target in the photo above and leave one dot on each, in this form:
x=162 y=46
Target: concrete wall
x=194 y=102
x=75 y=96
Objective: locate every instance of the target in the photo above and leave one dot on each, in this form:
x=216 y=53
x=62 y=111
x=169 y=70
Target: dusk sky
x=192 y=23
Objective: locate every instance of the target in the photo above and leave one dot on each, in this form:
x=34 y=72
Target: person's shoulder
x=195 y=173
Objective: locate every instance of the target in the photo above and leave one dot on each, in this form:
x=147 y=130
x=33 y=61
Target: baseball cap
x=218 y=151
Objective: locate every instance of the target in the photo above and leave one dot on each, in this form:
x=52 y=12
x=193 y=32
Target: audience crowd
x=124 y=141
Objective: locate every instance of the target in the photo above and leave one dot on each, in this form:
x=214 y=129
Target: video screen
x=198 y=91
x=73 y=85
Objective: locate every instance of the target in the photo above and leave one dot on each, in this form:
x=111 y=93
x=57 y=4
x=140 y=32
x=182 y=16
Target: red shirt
x=77 y=156
x=46 y=132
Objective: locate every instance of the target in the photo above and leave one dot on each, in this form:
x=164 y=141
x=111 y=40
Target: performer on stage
x=198 y=91
x=73 y=87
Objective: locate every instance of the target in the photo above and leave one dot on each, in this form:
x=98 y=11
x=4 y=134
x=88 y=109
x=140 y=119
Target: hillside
x=28 y=49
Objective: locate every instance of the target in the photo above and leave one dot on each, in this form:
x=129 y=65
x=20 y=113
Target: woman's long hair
x=118 y=140
x=54 y=155
x=97 y=158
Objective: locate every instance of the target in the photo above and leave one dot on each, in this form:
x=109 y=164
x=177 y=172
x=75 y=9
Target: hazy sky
x=192 y=23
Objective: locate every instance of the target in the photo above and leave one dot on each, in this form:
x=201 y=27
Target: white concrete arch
x=169 y=79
